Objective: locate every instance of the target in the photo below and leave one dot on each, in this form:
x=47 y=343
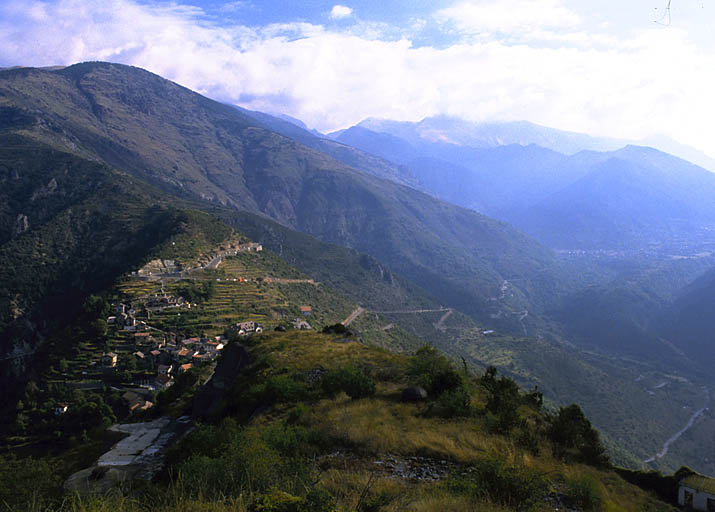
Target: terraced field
x=251 y=286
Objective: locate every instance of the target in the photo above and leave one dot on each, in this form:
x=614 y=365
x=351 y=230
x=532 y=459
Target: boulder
x=414 y=394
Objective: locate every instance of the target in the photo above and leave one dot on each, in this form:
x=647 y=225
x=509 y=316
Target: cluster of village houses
x=170 y=357
x=172 y=267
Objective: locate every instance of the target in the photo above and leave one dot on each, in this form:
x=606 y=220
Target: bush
x=433 y=371
x=317 y=500
x=292 y=441
x=353 y=381
x=24 y=481
x=297 y=414
x=584 y=494
x=665 y=487
x=276 y=501
x=249 y=460
x=495 y=481
x=455 y=402
x=529 y=439
x=337 y=329
x=282 y=388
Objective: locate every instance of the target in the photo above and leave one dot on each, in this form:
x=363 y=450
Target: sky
x=607 y=67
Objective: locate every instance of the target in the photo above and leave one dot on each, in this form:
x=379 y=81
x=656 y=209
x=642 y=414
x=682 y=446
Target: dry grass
x=302 y=351
x=379 y=425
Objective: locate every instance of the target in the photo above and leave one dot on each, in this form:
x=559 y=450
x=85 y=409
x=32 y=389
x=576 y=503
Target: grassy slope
x=373 y=429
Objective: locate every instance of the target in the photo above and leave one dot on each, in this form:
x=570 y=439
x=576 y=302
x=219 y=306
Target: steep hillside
x=614 y=390
x=349 y=154
x=690 y=323
x=198 y=148
x=314 y=423
x=211 y=156
x=499 y=181
x=635 y=199
x=70 y=226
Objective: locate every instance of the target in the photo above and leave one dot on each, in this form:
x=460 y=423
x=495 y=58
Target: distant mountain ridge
x=633 y=197
x=457 y=131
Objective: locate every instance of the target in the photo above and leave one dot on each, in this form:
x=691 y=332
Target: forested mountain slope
x=195 y=147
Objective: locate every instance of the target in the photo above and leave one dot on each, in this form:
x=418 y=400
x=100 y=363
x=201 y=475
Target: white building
x=698 y=492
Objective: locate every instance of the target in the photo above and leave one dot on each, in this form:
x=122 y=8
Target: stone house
x=109 y=360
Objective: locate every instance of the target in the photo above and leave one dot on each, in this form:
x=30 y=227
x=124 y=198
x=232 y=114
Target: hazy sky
x=604 y=67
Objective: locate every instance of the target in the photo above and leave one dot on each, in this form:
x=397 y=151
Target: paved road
x=409 y=311
x=283 y=280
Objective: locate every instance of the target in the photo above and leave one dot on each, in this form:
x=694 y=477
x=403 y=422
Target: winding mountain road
x=352 y=316
x=682 y=431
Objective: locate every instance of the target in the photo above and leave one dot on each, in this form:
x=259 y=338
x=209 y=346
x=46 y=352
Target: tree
x=504 y=399
x=574 y=437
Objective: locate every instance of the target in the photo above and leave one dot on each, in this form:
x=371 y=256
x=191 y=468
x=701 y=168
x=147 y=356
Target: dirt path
x=522 y=316
x=352 y=316
x=440 y=323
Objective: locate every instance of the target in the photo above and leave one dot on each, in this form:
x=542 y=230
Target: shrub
x=317 y=500
x=337 y=329
x=353 y=381
x=297 y=413
x=452 y=403
x=584 y=494
x=433 y=371
x=495 y=481
x=15 y=478
x=529 y=439
x=282 y=388
x=276 y=501
x=247 y=460
x=292 y=441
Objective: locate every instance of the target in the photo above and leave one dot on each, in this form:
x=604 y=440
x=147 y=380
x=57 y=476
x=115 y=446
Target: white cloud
x=512 y=17
x=655 y=81
x=339 y=12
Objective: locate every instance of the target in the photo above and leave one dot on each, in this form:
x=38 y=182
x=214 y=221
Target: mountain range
x=635 y=197
x=103 y=163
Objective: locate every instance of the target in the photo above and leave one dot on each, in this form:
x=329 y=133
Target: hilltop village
x=148 y=343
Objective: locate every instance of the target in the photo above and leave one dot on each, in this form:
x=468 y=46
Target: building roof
x=700 y=483
x=163 y=379
x=306 y=308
